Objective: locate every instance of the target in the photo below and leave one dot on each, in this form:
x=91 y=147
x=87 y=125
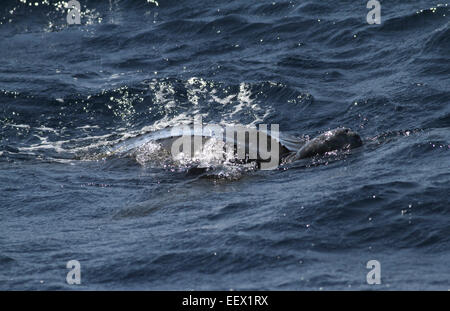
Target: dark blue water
x=68 y=93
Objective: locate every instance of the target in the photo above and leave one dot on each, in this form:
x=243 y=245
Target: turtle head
x=337 y=139
x=344 y=138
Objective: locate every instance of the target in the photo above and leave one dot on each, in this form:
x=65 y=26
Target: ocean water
x=71 y=93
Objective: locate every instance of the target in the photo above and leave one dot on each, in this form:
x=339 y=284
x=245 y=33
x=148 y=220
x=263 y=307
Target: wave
x=81 y=123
